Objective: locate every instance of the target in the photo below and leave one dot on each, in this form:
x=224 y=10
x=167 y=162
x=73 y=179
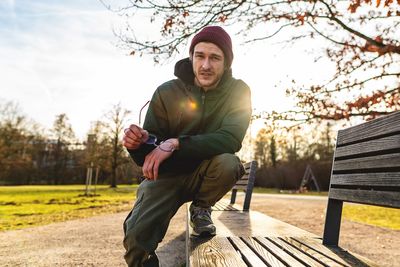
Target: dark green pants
x=157 y=202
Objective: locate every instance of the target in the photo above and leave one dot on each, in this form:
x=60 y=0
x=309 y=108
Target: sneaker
x=200 y=221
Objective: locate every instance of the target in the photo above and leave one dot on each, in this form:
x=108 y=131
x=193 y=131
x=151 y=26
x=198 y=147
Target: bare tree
x=116 y=120
x=63 y=137
x=361 y=39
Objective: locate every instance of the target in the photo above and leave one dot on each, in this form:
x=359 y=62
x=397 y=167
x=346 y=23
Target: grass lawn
x=25 y=206
x=373 y=215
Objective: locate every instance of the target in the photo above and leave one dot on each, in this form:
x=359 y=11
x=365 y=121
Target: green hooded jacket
x=206 y=123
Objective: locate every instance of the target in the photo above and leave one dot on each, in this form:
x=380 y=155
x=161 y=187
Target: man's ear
x=191 y=57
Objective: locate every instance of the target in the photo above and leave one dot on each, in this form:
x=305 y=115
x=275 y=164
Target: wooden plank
x=353 y=260
x=381 y=126
x=313 y=253
x=242 y=182
x=253 y=223
x=245 y=176
x=367 y=179
x=296 y=253
x=224 y=206
x=247 y=165
x=240 y=187
x=317 y=246
x=372 y=197
x=373 y=162
x=282 y=255
x=217 y=251
x=248 y=255
x=364 y=261
x=264 y=254
x=386 y=143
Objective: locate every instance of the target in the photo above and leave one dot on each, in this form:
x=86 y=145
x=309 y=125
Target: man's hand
x=134 y=136
x=154 y=159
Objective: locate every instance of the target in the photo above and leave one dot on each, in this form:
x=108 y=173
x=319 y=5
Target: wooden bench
x=366 y=169
x=246 y=184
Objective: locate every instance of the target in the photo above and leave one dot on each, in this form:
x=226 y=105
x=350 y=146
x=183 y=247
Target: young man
x=200 y=120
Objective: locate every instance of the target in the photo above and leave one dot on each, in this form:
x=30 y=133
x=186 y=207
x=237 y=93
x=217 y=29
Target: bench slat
x=245 y=176
x=384 y=125
x=381 y=144
x=242 y=182
x=240 y=187
x=265 y=254
x=374 y=162
x=367 y=179
x=338 y=254
x=326 y=251
x=249 y=256
x=283 y=256
x=314 y=253
x=373 y=197
x=223 y=205
x=215 y=252
x=299 y=254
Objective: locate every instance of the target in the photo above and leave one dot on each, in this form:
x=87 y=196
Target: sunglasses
x=152 y=139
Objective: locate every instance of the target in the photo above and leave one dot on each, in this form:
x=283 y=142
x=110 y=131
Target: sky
x=62 y=57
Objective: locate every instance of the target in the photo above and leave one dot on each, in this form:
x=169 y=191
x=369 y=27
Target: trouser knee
x=226 y=167
x=222 y=173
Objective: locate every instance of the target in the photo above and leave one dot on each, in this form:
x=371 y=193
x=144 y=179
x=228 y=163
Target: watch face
x=151 y=140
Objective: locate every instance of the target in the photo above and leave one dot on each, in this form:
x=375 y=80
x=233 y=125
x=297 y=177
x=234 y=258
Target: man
x=200 y=120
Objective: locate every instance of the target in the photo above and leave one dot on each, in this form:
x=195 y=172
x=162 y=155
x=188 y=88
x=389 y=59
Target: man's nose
x=206 y=63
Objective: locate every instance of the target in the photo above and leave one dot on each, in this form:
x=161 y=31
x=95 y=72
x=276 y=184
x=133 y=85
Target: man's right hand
x=134 y=136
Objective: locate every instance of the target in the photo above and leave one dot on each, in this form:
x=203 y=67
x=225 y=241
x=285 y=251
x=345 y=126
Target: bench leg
x=233 y=196
x=247 y=199
x=332 y=222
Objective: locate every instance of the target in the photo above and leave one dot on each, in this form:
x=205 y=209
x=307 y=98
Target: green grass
x=373 y=215
x=26 y=206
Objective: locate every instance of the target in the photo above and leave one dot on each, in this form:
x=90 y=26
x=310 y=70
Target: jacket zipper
x=203 y=100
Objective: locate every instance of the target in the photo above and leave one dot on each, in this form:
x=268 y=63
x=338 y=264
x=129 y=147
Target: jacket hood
x=184 y=71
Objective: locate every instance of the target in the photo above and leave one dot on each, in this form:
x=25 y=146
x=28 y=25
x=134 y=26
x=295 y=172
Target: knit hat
x=217 y=36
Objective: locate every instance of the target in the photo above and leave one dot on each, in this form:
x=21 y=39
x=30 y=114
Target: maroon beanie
x=217 y=36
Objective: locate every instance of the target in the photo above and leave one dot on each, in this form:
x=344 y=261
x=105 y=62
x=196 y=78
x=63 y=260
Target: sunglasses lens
x=151 y=140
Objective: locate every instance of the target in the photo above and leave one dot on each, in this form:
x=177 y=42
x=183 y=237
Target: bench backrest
x=366 y=169
x=246 y=183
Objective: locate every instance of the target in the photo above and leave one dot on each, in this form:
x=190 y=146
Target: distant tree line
x=30 y=154
x=284 y=153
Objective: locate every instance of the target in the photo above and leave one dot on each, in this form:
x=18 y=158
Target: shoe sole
x=203 y=233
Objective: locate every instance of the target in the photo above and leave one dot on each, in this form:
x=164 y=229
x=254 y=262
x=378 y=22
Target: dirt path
x=96 y=241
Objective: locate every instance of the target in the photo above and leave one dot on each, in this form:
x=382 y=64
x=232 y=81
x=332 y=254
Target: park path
x=97 y=241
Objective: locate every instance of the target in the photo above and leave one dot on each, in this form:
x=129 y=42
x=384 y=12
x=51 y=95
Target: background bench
x=366 y=169
x=246 y=184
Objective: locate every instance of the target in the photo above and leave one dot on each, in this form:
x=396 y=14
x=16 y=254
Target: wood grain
x=367 y=179
x=368 y=163
x=372 y=197
x=372 y=146
x=216 y=251
x=378 y=127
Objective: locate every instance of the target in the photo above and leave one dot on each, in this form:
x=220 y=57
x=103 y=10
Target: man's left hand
x=154 y=159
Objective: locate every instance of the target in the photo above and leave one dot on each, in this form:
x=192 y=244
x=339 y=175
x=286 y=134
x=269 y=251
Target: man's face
x=208 y=65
